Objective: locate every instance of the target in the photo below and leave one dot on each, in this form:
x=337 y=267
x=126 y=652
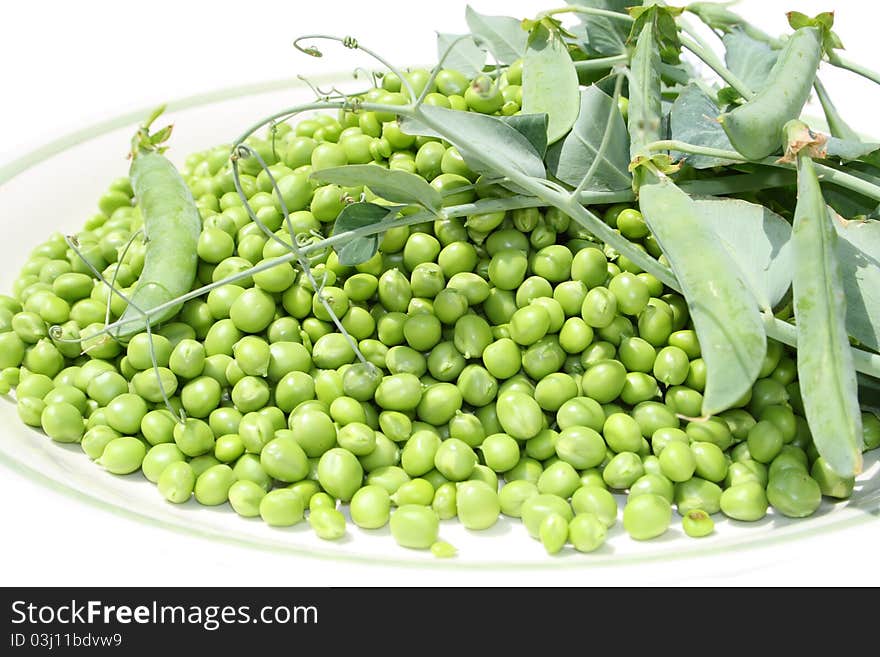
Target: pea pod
x=825 y=366
x=755 y=129
x=171 y=230
x=724 y=311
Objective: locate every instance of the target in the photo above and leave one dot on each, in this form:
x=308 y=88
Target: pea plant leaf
x=858 y=252
x=352 y=217
x=531 y=126
x=465 y=55
x=570 y=159
x=747 y=58
x=757 y=240
x=391 y=184
x=693 y=120
x=665 y=30
x=480 y=139
x=824 y=361
x=502 y=35
x=604 y=36
x=550 y=81
x=723 y=309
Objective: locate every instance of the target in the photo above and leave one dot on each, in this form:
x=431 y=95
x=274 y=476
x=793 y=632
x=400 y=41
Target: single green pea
x=604 y=381
x=245 y=498
x=477 y=504
x=622 y=433
x=646 y=516
x=595 y=500
x=553 y=532
x=123 y=455
x=520 y=415
x=623 y=470
x=587 y=532
x=454 y=459
x=158 y=458
x=599 y=308
x=327 y=523
x=696 y=523
x=282 y=507
x=96 y=439
x=765 y=441
x=340 y=473
x=513 y=495
x=559 y=478
x=177 y=481
x=62 y=421
x=746 y=501
x=212 y=485
x=370 y=507
x=830 y=483
x=415 y=526
x=794 y=493
x=357 y=438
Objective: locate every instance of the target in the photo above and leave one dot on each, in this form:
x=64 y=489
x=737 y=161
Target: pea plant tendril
x=563 y=261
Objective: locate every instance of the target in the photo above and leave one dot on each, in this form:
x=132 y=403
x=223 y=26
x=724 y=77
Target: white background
x=64 y=65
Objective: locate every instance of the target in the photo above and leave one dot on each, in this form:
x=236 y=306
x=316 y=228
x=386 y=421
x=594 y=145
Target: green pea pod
x=724 y=311
x=644 y=116
x=755 y=128
x=825 y=367
x=171 y=229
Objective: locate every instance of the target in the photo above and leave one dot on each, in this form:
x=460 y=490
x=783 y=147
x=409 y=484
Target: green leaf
x=747 y=58
x=358 y=215
x=724 y=311
x=531 y=126
x=357 y=251
x=502 y=35
x=605 y=36
x=390 y=184
x=757 y=240
x=466 y=56
x=645 y=115
x=858 y=252
x=826 y=372
x=693 y=120
x=661 y=20
x=570 y=159
x=477 y=135
x=550 y=82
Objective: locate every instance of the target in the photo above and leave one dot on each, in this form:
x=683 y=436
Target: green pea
x=553 y=532
x=176 y=482
x=194 y=437
x=328 y=524
x=212 y=486
x=415 y=526
x=830 y=483
x=370 y=507
x=623 y=470
x=123 y=455
x=765 y=441
x=399 y=392
x=418 y=455
x=245 y=498
x=416 y=491
x=455 y=459
x=560 y=478
x=746 y=501
x=520 y=415
x=599 y=307
x=646 y=516
x=604 y=381
x=622 y=433
x=794 y=493
x=596 y=500
x=513 y=495
x=282 y=458
x=587 y=532
x=282 y=507
x=340 y=473
x=439 y=403
x=535 y=508
x=477 y=505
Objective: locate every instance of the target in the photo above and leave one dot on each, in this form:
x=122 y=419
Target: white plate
x=55 y=189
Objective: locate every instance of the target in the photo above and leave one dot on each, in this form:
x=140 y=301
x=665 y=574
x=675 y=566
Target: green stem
x=708 y=56
x=826 y=173
x=865 y=362
x=585 y=65
x=849 y=65
x=588 y=11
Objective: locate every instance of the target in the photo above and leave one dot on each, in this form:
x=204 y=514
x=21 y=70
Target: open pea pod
x=825 y=366
x=724 y=310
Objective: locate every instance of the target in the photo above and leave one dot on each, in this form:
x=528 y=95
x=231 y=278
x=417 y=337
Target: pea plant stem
x=853 y=67
x=865 y=362
x=587 y=11
x=600 y=63
x=826 y=173
x=708 y=56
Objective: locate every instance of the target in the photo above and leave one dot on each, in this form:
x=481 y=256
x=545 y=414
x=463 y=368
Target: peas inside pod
x=370 y=316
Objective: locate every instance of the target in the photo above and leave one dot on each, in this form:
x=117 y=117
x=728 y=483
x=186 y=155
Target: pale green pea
x=534 y=509
x=597 y=500
x=176 y=482
x=696 y=523
x=245 y=497
x=158 y=458
x=414 y=526
x=746 y=501
x=513 y=494
x=282 y=507
x=370 y=507
x=553 y=532
x=477 y=504
x=587 y=532
x=328 y=524
x=646 y=516
x=123 y=455
x=212 y=485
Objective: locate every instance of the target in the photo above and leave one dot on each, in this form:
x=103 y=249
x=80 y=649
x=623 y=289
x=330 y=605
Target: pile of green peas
x=512 y=365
